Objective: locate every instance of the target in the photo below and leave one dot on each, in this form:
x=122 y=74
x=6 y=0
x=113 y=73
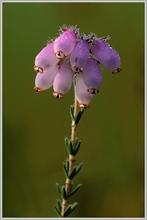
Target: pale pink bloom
x=63 y=80
x=79 y=56
x=64 y=44
x=45 y=59
x=45 y=81
x=106 y=55
x=81 y=93
x=92 y=76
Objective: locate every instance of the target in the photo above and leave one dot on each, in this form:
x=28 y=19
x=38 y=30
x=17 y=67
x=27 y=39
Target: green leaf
x=58 y=187
x=68 y=211
x=76 y=146
x=57 y=211
x=73 y=173
x=63 y=193
x=67 y=165
x=76 y=141
x=70 y=187
x=69 y=147
x=74 y=190
x=65 y=170
x=73 y=206
x=79 y=115
x=59 y=205
x=72 y=112
x=78 y=168
x=67 y=144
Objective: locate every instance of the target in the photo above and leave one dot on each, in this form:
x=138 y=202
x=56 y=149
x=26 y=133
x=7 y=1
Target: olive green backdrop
x=34 y=125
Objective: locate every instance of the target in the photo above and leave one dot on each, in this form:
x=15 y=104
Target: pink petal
x=45 y=59
x=82 y=95
x=106 y=55
x=64 y=44
x=92 y=75
x=79 y=56
x=45 y=81
x=63 y=80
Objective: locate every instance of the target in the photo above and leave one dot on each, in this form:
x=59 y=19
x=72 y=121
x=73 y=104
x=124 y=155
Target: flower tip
x=37 y=89
x=93 y=91
x=58 y=95
x=85 y=106
x=60 y=55
x=117 y=70
x=38 y=69
x=76 y=69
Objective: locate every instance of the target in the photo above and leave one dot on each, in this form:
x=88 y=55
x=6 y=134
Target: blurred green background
x=34 y=125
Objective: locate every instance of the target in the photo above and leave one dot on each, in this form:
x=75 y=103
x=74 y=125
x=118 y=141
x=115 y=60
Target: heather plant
x=73 y=58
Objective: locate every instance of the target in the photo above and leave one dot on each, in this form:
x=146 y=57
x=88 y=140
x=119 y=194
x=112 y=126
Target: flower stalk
x=70 y=170
x=71 y=158
x=73 y=125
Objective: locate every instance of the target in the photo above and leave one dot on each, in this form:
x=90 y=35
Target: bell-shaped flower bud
x=79 y=56
x=45 y=59
x=92 y=75
x=64 y=44
x=63 y=80
x=106 y=55
x=45 y=81
x=81 y=93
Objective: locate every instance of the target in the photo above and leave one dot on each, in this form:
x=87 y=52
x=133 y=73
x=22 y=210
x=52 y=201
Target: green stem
x=71 y=158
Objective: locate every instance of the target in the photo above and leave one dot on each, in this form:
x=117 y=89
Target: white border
x=1 y=108
x=77 y=1
x=145 y=90
x=145 y=105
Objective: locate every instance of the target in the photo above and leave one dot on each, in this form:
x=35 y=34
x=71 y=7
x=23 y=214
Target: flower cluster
x=74 y=56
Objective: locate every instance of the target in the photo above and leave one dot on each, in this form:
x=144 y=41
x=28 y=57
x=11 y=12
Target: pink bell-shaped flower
x=45 y=59
x=81 y=93
x=64 y=44
x=79 y=56
x=106 y=55
x=92 y=75
x=45 y=81
x=63 y=80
